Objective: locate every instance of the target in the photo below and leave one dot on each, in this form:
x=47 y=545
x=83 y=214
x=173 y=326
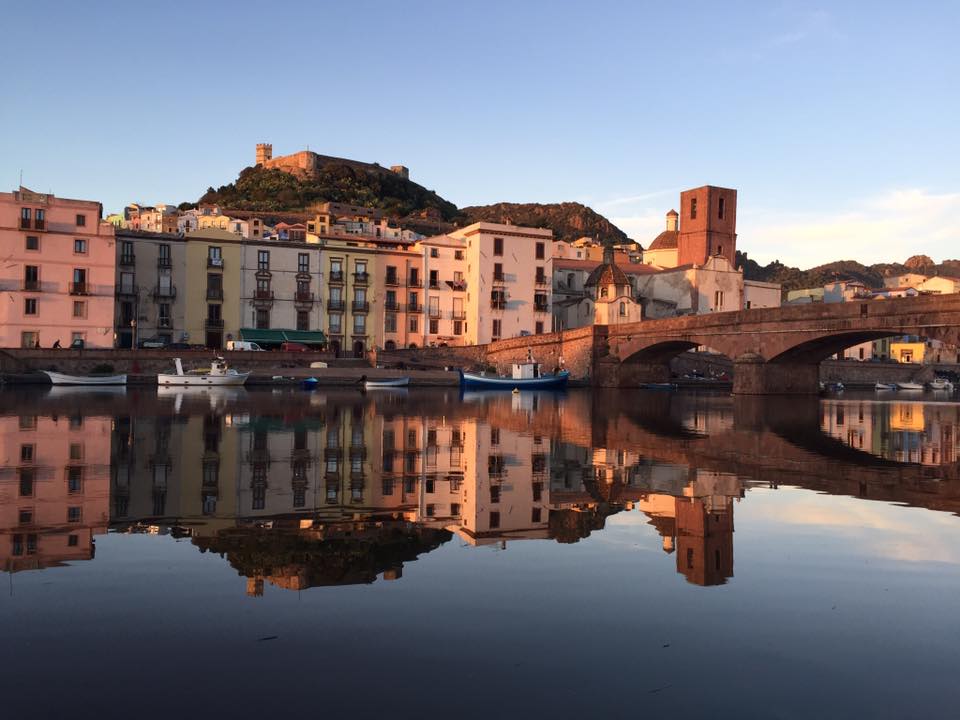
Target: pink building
x=57 y=278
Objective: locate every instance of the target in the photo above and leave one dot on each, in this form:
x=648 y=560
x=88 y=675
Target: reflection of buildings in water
x=904 y=431
x=54 y=489
x=362 y=492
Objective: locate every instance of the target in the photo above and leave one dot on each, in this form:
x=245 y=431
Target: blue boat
x=526 y=376
x=310 y=383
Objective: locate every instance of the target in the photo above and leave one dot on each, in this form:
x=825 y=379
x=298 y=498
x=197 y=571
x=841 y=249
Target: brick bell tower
x=708 y=225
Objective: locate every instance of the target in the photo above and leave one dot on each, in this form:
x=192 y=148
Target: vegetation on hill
x=569 y=220
x=272 y=190
x=871 y=275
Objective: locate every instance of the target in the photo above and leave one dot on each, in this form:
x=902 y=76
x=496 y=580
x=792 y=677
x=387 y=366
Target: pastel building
x=213 y=287
x=57 y=278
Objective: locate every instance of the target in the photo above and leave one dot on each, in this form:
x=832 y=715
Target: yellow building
x=213 y=287
x=348 y=271
x=908 y=352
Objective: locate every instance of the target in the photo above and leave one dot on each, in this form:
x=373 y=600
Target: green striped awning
x=277 y=336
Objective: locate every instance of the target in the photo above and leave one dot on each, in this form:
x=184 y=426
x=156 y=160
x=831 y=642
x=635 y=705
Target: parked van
x=243 y=345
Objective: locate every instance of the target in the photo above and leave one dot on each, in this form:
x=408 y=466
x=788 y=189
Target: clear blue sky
x=837 y=122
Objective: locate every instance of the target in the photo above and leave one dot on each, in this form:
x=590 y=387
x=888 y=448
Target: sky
x=837 y=122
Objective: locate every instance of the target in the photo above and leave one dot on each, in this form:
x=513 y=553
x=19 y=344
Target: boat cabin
x=526 y=371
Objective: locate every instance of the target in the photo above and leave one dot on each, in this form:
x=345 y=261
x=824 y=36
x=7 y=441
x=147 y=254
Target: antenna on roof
x=21 y=177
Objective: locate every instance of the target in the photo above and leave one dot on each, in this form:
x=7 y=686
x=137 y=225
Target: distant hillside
x=871 y=275
x=270 y=190
x=569 y=220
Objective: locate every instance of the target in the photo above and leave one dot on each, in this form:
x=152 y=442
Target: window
x=31 y=277
x=540 y=247
x=359 y=324
x=30 y=306
x=535 y=515
x=29 y=339
x=163 y=256
x=74 y=480
x=73 y=540
x=81 y=220
x=498 y=246
x=718 y=300
x=623 y=309
x=303 y=320
x=693 y=208
x=26 y=453
x=458 y=327
x=262 y=318
x=303 y=263
x=434 y=302
x=434 y=252
x=494 y=520
x=214 y=257
x=26 y=482
x=25 y=214
x=263 y=260
x=33 y=242
x=263 y=287
x=538 y=327
x=79 y=280
x=76 y=451
x=73 y=514
x=336 y=324
x=390 y=323
x=434 y=278
x=458 y=254
x=25 y=516
x=498 y=272
x=496 y=328
x=79 y=246
x=434 y=326
x=719 y=249
x=721 y=208
x=163 y=315
x=414 y=324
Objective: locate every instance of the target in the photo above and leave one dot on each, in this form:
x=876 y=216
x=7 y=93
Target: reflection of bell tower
x=708 y=225
x=705 y=539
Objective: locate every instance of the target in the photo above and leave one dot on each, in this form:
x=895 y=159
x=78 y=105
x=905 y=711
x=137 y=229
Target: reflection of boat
x=62 y=379
x=219 y=374
x=885 y=386
x=659 y=386
x=832 y=386
x=394 y=383
x=909 y=386
x=88 y=390
x=526 y=376
x=941 y=384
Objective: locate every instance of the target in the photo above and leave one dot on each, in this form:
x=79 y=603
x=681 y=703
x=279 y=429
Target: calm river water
x=421 y=554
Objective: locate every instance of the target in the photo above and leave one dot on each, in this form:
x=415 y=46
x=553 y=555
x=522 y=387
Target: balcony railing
x=263 y=295
x=164 y=262
x=434 y=312
x=128 y=259
x=24 y=223
x=334 y=305
x=392 y=280
x=360 y=306
x=128 y=289
x=214 y=323
x=391 y=306
x=541 y=307
x=165 y=291
x=540 y=280
x=414 y=307
x=499 y=278
x=435 y=284
x=303 y=296
x=165 y=323
x=415 y=282
x=31 y=285
x=79 y=288
x=336 y=276
x=361 y=278
x=458 y=285
x=498 y=304
x=214 y=293
x=215 y=262
x=458 y=315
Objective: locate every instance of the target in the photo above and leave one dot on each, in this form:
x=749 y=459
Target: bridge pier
x=753 y=375
x=634 y=374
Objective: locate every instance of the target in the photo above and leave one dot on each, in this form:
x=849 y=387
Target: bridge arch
x=821 y=348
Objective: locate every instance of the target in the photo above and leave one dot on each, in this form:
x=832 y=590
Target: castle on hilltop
x=306 y=164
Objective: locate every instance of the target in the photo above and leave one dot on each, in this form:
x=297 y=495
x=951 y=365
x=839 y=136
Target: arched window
x=603 y=292
x=623 y=309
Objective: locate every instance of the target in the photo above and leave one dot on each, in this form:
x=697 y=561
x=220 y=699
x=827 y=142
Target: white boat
x=885 y=386
x=62 y=379
x=909 y=386
x=392 y=383
x=219 y=374
x=941 y=384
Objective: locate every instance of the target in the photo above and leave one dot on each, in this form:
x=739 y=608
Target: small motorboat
x=526 y=376
x=909 y=386
x=659 y=386
x=884 y=386
x=831 y=386
x=219 y=374
x=63 y=379
x=310 y=383
x=941 y=384
x=386 y=383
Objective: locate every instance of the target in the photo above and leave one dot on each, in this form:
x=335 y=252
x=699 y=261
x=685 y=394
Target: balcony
x=458 y=315
x=498 y=304
x=124 y=289
x=214 y=323
x=336 y=276
x=213 y=262
x=541 y=280
x=79 y=288
x=164 y=262
x=414 y=307
x=31 y=285
x=435 y=284
x=168 y=292
x=360 y=306
x=541 y=307
x=361 y=278
x=128 y=259
x=214 y=293
x=391 y=306
x=263 y=296
x=458 y=285
x=392 y=280
x=335 y=305
x=25 y=223
x=165 y=323
x=415 y=282
x=499 y=279
x=304 y=297
x=434 y=312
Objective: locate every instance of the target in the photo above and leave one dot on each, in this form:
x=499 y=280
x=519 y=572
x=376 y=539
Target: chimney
x=673 y=218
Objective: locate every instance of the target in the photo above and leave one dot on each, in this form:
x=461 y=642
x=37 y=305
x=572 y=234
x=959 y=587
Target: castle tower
x=264 y=153
x=708 y=225
x=401 y=170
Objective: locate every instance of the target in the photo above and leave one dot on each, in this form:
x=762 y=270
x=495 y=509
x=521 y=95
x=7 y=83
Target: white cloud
x=889 y=227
